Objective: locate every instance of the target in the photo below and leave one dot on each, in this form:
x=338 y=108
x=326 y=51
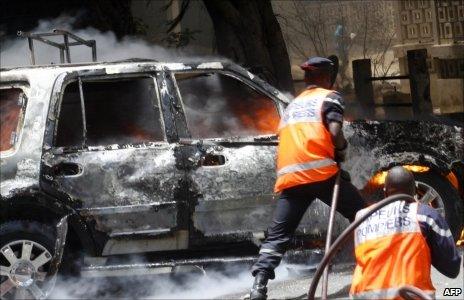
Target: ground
x=339 y=284
x=234 y=284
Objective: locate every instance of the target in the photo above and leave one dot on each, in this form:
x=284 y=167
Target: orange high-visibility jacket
x=390 y=252
x=306 y=151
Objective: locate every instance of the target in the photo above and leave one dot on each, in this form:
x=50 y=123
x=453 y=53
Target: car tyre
x=452 y=203
x=26 y=250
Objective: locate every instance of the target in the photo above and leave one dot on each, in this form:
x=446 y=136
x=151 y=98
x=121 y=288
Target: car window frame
x=235 y=76
x=55 y=108
x=25 y=88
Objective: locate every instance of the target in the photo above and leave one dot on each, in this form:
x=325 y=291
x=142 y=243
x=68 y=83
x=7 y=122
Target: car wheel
x=26 y=250
x=434 y=190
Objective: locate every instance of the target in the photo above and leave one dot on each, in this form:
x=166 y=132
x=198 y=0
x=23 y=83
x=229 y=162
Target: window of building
x=117 y=111
x=448 y=30
x=441 y=14
x=425 y=30
x=451 y=14
x=423 y=3
x=12 y=107
x=458 y=29
x=405 y=17
x=412 y=31
x=410 y=4
x=428 y=15
x=217 y=105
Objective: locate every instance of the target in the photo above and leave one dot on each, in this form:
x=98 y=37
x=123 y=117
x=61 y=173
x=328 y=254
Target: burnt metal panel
x=379 y=145
x=123 y=190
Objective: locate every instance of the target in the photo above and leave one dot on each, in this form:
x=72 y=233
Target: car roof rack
x=63 y=47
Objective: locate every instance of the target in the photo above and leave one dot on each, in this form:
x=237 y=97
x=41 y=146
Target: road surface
x=234 y=284
x=339 y=284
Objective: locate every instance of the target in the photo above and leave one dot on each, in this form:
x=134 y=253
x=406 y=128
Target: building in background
x=438 y=27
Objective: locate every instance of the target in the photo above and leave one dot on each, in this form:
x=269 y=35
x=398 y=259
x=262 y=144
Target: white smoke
x=15 y=52
x=237 y=280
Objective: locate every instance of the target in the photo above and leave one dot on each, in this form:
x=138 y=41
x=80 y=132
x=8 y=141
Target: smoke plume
x=198 y=285
x=15 y=52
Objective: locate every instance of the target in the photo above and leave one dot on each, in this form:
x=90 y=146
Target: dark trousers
x=291 y=206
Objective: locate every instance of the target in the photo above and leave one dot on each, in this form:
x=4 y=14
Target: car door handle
x=209 y=160
x=67 y=169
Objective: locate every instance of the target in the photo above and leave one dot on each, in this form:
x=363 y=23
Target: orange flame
x=379 y=178
x=453 y=180
x=137 y=134
x=10 y=113
x=260 y=115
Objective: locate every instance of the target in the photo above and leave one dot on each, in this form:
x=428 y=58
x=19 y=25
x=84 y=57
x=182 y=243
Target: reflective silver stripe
x=397 y=217
x=306 y=166
x=434 y=226
x=335 y=101
x=270 y=251
x=306 y=109
x=383 y=294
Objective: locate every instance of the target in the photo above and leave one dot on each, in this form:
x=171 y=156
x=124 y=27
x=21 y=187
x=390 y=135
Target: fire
x=260 y=115
x=379 y=178
x=138 y=134
x=10 y=113
x=453 y=180
x=416 y=169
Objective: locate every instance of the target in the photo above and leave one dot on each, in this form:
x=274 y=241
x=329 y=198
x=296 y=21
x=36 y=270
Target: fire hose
x=404 y=291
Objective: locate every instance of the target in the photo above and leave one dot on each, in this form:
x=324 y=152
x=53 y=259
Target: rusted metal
x=65 y=53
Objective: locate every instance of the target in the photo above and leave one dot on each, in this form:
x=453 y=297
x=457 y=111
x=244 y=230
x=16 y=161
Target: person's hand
x=341 y=153
x=345 y=175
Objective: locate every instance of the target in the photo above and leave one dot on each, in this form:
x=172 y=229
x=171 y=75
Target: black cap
x=317 y=63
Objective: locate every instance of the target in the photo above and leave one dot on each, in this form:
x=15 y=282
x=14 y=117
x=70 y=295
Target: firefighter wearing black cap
x=311 y=142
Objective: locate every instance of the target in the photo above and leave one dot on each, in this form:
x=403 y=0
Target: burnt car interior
x=219 y=106
x=12 y=103
x=117 y=111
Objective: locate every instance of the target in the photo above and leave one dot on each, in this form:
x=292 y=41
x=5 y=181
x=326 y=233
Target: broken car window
x=12 y=102
x=217 y=105
x=122 y=111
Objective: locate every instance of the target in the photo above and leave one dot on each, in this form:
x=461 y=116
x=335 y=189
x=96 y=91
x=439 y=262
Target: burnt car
x=174 y=162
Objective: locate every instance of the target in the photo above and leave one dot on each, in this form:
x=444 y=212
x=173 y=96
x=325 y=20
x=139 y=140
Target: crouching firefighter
x=397 y=245
x=311 y=142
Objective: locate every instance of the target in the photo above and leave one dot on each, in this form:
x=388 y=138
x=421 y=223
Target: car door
x=107 y=151
x=231 y=148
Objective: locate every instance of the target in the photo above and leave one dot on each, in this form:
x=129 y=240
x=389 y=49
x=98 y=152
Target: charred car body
x=175 y=160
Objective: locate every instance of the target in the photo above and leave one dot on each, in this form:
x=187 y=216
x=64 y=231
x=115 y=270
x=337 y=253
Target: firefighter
x=397 y=245
x=311 y=144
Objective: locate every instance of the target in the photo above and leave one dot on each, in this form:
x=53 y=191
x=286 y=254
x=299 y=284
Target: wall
x=435 y=25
